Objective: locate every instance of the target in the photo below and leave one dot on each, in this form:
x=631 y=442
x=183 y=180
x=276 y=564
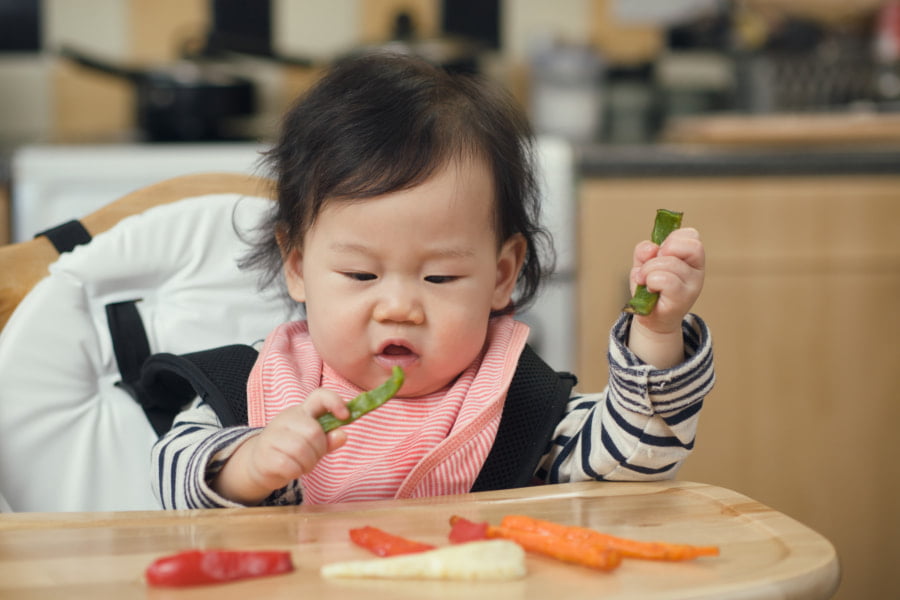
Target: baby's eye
x=441 y=278
x=359 y=276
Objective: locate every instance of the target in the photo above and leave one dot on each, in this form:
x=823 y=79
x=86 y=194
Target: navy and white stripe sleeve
x=189 y=453
x=192 y=452
x=642 y=426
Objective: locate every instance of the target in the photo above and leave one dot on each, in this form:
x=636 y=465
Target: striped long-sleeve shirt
x=641 y=427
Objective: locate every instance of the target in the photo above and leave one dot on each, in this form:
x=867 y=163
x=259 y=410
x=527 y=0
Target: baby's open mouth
x=397 y=353
x=395 y=350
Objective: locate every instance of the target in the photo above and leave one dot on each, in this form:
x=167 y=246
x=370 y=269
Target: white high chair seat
x=70 y=439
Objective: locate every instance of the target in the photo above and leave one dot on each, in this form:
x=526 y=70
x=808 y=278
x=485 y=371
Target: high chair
x=162 y=259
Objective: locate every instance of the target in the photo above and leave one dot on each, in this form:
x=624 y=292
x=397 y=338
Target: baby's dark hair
x=382 y=123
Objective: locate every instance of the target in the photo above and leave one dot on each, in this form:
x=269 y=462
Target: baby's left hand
x=675 y=269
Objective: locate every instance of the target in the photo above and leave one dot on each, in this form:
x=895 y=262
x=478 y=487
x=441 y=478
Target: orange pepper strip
x=571 y=551
x=627 y=547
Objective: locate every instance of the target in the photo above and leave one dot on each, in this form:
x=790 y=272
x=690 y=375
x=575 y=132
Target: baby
x=406 y=225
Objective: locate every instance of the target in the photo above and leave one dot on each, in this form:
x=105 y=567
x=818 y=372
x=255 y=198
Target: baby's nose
x=400 y=305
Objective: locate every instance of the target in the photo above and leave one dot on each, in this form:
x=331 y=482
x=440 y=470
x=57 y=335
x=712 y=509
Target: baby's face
x=409 y=278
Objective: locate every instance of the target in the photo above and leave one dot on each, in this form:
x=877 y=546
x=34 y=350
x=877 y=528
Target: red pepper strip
x=463 y=530
x=383 y=543
x=199 y=567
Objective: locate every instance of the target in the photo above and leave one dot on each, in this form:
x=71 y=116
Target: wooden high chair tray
x=103 y=555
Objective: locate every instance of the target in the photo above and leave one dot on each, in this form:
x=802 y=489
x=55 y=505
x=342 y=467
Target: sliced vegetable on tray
x=202 y=567
x=463 y=530
x=628 y=548
x=578 y=545
x=383 y=543
x=481 y=551
x=571 y=551
x=487 y=560
x=560 y=548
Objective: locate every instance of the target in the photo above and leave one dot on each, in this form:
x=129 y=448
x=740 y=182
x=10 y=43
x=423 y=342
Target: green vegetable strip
x=365 y=402
x=643 y=301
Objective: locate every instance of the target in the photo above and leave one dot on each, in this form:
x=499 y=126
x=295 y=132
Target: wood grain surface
x=103 y=555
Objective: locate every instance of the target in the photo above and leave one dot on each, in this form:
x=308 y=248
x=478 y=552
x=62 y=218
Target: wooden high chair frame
x=24 y=264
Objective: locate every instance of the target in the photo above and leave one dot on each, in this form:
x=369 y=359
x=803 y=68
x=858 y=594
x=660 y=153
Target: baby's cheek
x=463 y=342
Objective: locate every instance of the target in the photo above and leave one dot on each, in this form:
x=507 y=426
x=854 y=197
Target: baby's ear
x=509 y=264
x=292 y=265
x=293 y=275
x=283 y=240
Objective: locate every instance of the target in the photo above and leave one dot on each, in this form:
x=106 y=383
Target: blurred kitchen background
x=774 y=124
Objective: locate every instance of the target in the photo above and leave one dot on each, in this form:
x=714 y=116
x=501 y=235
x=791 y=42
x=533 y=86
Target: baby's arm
x=288 y=447
x=642 y=426
x=183 y=458
x=675 y=270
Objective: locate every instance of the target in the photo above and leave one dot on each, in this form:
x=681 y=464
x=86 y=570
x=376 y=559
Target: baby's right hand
x=289 y=446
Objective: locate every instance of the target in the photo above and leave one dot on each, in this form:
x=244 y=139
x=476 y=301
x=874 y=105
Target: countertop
x=684 y=160
x=846 y=143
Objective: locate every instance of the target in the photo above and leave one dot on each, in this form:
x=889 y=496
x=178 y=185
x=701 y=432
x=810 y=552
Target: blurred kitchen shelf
x=787 y=130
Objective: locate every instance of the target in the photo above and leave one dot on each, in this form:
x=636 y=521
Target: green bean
x=366 y=402
x=643 y=301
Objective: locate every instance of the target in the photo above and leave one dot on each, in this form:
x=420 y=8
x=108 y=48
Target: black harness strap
x=164 y=383
x=131 y=349
x=129 y=339
x=534 y=405
x=66 y=236
x=218 y=375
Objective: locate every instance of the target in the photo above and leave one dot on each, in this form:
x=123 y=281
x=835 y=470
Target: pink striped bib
x=410 y=447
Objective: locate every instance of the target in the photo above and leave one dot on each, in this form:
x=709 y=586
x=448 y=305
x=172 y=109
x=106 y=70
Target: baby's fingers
x=294 y=441
x=685 y=244
x=322 y=402
x=643 y=252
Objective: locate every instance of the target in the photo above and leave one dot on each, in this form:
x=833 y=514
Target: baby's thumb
x=336 y=438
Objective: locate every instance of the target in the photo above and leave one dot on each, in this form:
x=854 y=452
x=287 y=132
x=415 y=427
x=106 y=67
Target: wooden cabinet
x=802 y=295
x=4 y=212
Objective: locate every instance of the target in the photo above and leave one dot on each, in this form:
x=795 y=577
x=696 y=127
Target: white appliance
x=552 y=317
x=53 y=184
